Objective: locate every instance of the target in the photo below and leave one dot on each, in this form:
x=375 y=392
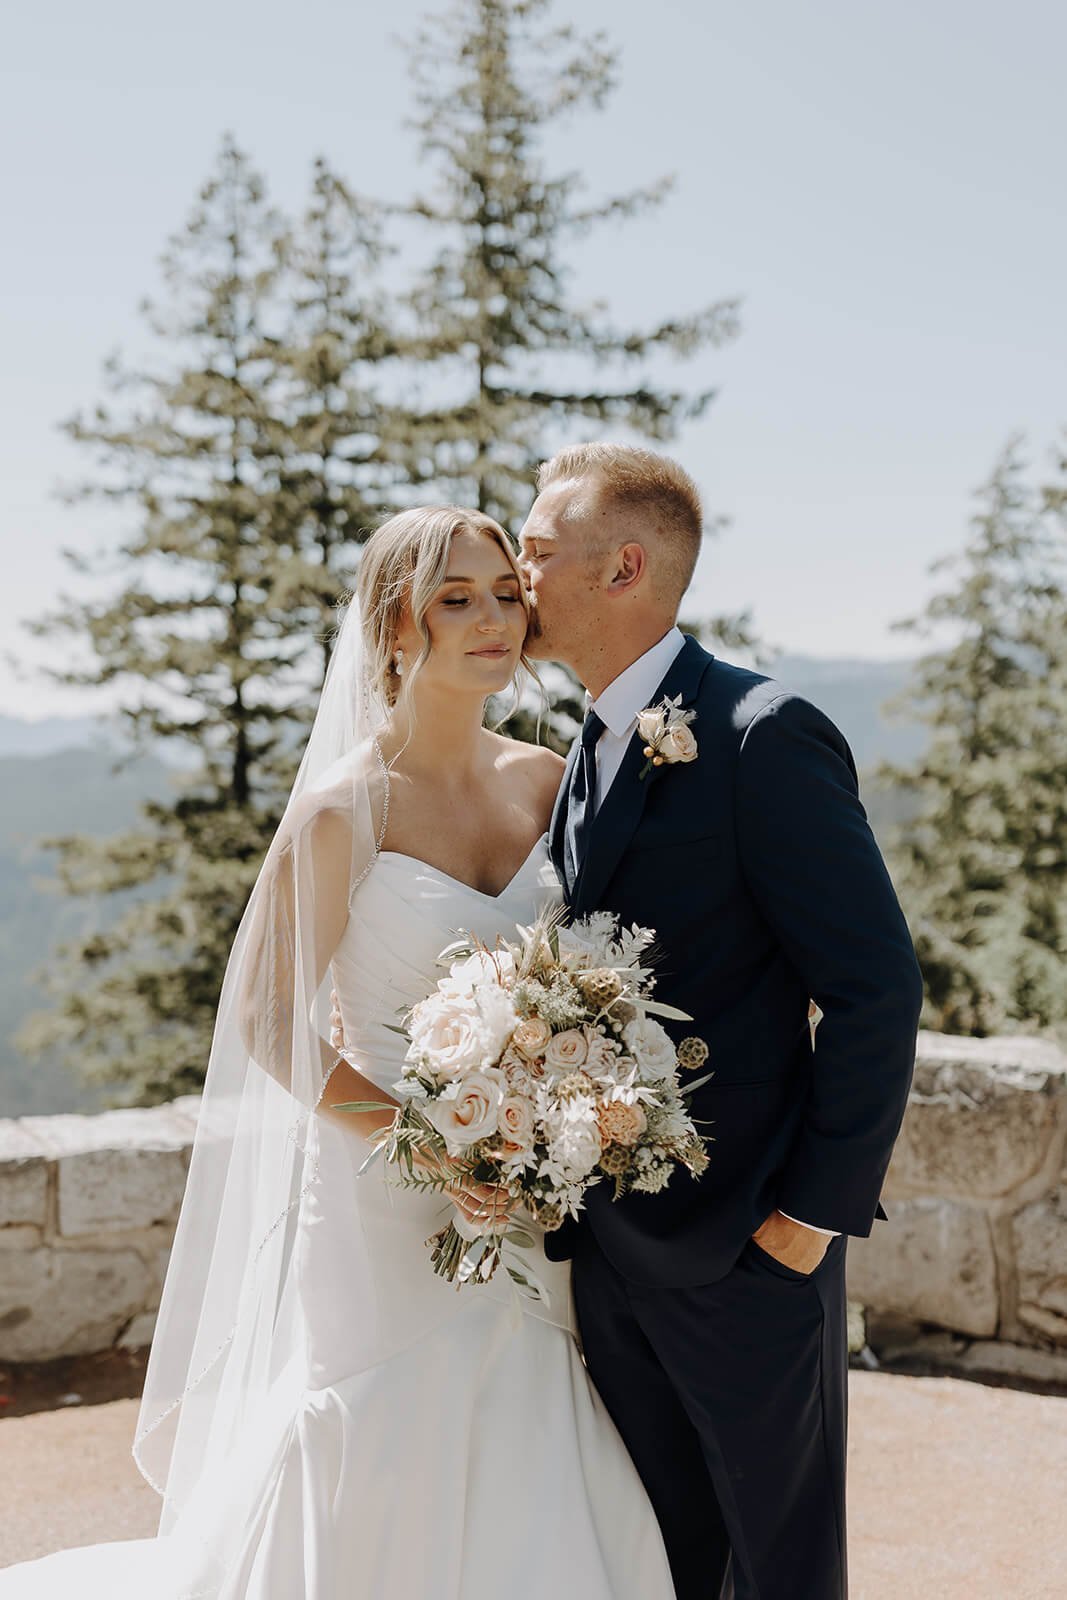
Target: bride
x=322 y=1416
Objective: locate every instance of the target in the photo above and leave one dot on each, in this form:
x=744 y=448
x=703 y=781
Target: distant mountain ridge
x=853 y=694
x=58 y=776
x=19 y=736
x=851 y=690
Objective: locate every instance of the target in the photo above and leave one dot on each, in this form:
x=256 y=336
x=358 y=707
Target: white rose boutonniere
x=667 y=735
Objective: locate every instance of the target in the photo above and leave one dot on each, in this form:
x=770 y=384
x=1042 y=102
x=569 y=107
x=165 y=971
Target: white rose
x=450 y=1031
x=650 y=725
x=577 y=1148
x=467 y=1111
x=602 y=1053
x=679 y=744
x=515 y=1121
x=498 y=1017
x=651 y=1045
x=483 y=968
x=567 y=1050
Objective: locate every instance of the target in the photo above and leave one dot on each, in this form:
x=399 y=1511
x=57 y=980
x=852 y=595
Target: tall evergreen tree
x=335 y=430
x=493 y=314
x=229 y=459
x=511 y=363
x=982 y=861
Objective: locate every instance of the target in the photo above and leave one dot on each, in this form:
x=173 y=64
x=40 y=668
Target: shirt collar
x=617 y=706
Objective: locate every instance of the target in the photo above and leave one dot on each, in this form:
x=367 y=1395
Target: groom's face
x=558 y=558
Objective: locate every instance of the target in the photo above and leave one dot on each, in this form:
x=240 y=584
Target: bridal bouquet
x=539 y=1066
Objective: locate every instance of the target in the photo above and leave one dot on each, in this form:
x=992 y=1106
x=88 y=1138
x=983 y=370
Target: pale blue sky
x=882 y=184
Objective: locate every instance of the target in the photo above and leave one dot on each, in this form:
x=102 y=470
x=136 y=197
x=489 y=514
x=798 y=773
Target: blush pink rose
x=530 y=1037
x=515 y=1122
x=566 y=1050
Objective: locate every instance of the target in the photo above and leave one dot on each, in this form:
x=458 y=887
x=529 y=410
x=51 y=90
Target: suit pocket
x=765 y=1262
x=663 y=839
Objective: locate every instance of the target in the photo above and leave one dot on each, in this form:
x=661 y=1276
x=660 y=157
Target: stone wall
x=88 y=1206
x=977 y=1194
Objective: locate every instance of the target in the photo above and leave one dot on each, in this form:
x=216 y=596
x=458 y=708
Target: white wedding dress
x=453 y=1448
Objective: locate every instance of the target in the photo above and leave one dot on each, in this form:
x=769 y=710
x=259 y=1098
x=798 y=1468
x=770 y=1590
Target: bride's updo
x=407 y=559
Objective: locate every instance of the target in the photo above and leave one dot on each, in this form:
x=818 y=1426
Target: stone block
x=118 y=1169
x=933 y=1262
x=981 y=1116
x=109 y=1189
x=137 y=1127
x=988 y=1358
x=187 y=1105
x=139 y=1333
x=23 y=1175
x=20 y=1236
x=67 y=1302
x=1040 y=1236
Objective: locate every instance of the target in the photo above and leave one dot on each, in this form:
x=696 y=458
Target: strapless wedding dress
x=436 y=1444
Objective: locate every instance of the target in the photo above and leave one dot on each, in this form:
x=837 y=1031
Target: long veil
x=228 y=1325
x=231 y=1337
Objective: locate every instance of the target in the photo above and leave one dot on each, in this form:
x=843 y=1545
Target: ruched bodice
x=403 y=914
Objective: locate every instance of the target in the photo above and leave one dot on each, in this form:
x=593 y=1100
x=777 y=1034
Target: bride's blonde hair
x=406 y=558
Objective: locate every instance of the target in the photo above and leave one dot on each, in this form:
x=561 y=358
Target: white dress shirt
x=617 y=707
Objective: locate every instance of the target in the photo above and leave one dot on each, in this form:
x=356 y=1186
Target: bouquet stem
x=459 y=1258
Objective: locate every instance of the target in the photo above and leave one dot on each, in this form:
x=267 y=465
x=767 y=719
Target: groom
x=712 y=1315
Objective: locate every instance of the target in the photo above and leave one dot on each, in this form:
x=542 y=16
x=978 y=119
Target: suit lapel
x=617 y=819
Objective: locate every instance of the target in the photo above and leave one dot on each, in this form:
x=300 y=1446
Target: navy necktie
x=581 y=802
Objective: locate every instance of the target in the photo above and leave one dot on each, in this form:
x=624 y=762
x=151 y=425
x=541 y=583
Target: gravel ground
x=956 y=1491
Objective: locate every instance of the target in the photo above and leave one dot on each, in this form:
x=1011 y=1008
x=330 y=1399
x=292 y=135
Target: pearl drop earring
x=400 y=663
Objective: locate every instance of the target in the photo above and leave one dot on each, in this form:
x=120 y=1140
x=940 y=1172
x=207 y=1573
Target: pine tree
x=492 y=310
x=982 y=861
x=1035 y=803
x=511 y=365
x=334 y=427
x=231 y=460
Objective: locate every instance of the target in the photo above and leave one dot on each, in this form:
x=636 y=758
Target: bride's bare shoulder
x=348 y=796
x=533 y=763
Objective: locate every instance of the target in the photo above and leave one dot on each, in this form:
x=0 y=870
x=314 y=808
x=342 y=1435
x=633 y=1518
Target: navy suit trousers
x=731 y=1397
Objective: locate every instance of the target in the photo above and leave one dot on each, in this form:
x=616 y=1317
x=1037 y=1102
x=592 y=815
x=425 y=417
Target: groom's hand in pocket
x=791 y=1243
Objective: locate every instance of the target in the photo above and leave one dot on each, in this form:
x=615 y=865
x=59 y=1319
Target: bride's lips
x=492 y=652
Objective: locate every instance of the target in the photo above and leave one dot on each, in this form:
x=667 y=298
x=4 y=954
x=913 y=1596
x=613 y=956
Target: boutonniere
x=665 y=730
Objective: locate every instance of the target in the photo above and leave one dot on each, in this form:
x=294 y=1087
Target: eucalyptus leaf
x=698 y=1083
x=374 y=1156
x=471 y=1257
x=364 y=1105
x=517 y=1237
x=658 y=1008
x=453 y=952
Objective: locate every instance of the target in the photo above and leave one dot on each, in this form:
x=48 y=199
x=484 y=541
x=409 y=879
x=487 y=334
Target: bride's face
x=476 y=620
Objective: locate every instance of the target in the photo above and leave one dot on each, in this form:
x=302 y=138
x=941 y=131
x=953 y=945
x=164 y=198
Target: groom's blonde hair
x=627 y=478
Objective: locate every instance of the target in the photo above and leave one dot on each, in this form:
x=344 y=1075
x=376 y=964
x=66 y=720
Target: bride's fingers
x=482 y=1202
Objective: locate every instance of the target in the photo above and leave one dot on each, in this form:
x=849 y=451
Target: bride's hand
x=485 y=1205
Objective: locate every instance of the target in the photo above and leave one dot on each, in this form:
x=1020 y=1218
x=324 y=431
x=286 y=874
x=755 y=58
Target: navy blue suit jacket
x=758 y=870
